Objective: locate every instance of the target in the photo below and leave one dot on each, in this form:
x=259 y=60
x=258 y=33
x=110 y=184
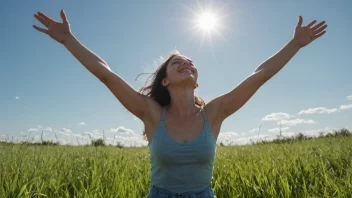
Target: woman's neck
x=182 y=103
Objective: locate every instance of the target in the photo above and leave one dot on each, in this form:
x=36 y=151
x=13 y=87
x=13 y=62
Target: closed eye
x=176 y=62
x=190 y=61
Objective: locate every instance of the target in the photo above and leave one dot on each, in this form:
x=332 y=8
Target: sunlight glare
x=207 y=21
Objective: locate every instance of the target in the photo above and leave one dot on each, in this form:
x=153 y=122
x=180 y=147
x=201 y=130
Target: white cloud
x=241 y=141
x=349 y=97
x=17 y=97
x=316 y=132
x=82 y=123
x=66 y=130
x=127 y=137
x=64 y=133
x=96 y=131
x=277 y=116
x=40 y=128
x=77 y=135
x=318 y=110
x=47 y=129
x=63 y=136
x=295 y=122
x=120 y=135
x=90 y=135
x=310 y=133
x=226 y=137
x=288 y=134
x=254 y=130
x=32 y=130
x=277 y=129
x=121 y=129
x=37 y=138
x=345 y=107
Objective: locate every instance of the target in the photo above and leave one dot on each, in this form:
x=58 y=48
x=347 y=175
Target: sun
x=207 y=21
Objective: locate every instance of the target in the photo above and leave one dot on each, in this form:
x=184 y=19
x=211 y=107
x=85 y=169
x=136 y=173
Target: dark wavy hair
x=157 y=91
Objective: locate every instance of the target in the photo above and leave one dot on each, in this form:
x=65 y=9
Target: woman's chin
x=187 y=74
x=187 y=81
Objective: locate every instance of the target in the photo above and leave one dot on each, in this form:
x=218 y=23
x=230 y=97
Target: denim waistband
x=185 y=193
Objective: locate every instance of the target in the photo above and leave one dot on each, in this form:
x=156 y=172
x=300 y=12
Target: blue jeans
x=156 y=192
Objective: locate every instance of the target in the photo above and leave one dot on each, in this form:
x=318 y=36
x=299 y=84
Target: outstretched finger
x=311 y=23
x=40 y=19
x=320 y=29
x=319 y=35
x=41 y=29
x=318 y=25
x=45 y=17
x=63 y=16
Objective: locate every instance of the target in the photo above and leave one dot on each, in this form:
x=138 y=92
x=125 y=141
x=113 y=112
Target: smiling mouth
x=185 y=70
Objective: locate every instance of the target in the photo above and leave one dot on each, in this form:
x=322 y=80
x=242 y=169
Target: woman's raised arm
x=233 y=100
x=135 y=102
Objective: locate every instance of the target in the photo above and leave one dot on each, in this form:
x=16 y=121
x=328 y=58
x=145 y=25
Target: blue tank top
x=182 y=167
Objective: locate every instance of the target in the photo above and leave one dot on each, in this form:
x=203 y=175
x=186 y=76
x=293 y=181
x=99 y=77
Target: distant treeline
x=301 y=137
x=279 y=140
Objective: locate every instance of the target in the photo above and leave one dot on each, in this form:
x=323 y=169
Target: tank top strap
x=163 y=114
x=204 y=115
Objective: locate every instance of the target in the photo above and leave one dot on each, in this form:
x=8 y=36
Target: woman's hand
x=58 y=31
x=306 y=34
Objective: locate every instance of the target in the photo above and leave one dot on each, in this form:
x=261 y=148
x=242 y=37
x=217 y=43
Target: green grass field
x=312 y=168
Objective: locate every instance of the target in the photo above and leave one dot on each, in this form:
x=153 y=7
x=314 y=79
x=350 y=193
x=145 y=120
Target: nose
x=186 y=62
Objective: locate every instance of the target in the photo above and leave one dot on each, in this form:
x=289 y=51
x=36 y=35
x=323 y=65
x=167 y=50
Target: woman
x=181 y=129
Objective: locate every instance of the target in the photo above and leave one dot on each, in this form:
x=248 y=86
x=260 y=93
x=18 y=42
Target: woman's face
x=181 y=71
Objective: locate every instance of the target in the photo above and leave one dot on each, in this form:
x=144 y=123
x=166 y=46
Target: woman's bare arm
x=91 y=61
x=135 y=102
x=230 y=102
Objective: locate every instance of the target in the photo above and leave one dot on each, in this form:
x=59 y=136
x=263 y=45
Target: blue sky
x=43 y=87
